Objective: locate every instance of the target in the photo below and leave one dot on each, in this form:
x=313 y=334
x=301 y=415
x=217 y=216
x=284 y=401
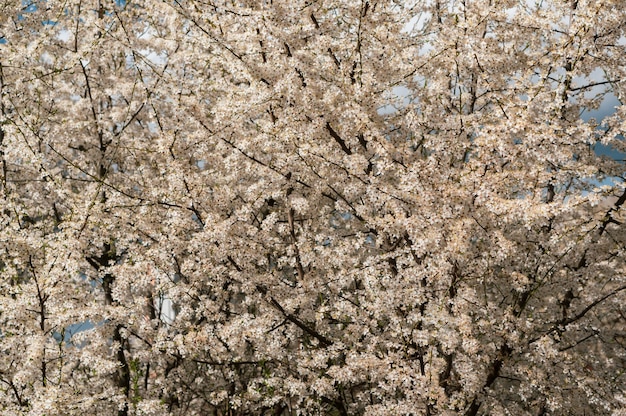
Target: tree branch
x=338 y=139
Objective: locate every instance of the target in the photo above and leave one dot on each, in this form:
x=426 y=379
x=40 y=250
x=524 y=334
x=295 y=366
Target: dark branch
x=338 y=139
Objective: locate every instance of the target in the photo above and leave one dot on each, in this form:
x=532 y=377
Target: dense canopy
x=342 y=207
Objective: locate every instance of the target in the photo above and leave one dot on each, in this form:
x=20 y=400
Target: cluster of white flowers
x=294 y=207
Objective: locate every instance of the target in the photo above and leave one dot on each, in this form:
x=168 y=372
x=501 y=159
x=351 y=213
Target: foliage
x=354 y=207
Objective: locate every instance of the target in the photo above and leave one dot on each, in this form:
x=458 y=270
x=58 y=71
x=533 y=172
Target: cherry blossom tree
x=343 y=207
